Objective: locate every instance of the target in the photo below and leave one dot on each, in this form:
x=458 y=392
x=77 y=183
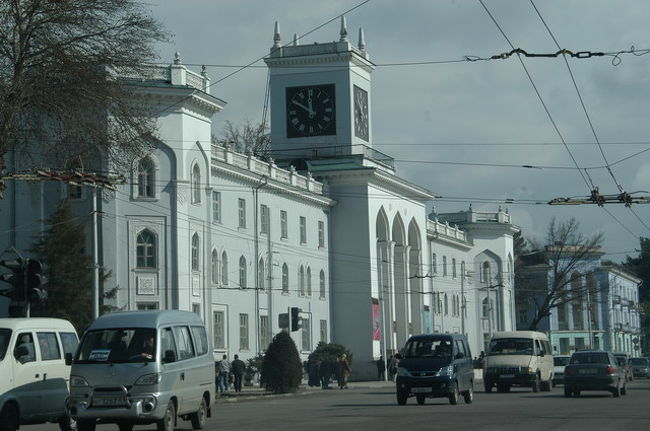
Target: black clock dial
x=360 y=113
x=311 y=111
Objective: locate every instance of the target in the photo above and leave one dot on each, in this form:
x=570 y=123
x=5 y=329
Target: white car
x=559 y=362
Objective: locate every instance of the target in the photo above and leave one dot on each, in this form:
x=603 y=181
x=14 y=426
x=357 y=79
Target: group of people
x=322 y=372
x=392 y=368
x=227 y=373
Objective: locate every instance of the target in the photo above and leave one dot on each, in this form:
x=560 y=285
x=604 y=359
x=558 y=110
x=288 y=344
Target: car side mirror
x=68 y=358
x=170 y=356
x=398 y=356
x=20 y=351
x=460 y=355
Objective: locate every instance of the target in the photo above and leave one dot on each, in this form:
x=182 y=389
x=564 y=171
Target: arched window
x=242 y=272
x=224 y=268
x=215 y=267
x=285 y=278
x=308 y=281
x=146 y=249
x=196 y=184
x=322 y=284
x=301 y=279
x=195 y=252
x=260 y=274
x=146 y=178
x=486 y=272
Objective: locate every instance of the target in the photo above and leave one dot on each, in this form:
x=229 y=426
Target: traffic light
x=13 y=282
x=35 y=282
x=296 y=321
x=283 y=320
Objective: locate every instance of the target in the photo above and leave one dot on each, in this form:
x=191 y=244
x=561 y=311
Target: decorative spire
x=362 y=40
x=295 y=40
x=276 y=36
x=344 y=30
x=177 y=58
x=204 y=71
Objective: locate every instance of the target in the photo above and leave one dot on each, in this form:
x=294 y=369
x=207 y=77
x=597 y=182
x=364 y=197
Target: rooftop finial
x=362 y=40
x=177 y=58
x=276 y=36
x=295 y=40
x=204 y=71
x=344 y=30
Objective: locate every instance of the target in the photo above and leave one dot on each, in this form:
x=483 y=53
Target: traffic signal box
x=24 y=280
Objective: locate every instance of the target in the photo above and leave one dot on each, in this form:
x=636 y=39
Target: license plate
x=420 y=390
x=109 y=401
x=588 y=371
x=507 y=376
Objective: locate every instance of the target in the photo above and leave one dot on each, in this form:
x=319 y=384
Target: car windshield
x=590 y=358
x=511 y=346
x=639 y=361
x=118 y=345
x=5 y=335
x=561 y=361
x=621 y=360
x=428 y=348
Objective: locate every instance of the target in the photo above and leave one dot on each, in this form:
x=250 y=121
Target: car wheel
x=198 y=418
x=66 y=423
x=536 y=383
x=469 y=395
x=125 y=425
x=567 y=392
x=453 y=397
x=9 y=418
x=402 y=397
x=488 y=387
x=168 y=422
x=86 y=425
x=420 y=399
x=503 y=388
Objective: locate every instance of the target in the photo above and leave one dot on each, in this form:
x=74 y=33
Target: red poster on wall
x=376 y=327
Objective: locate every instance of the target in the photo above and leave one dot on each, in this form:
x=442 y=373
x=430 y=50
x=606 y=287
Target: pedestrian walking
x=381 y=369
x=392 y=367
x=325 y=373
x=312 y=372
x=344 y=371
x=224 y=374
x=238 y=367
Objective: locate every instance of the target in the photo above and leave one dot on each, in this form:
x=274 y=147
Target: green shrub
x=281 y=367
x=329 y=352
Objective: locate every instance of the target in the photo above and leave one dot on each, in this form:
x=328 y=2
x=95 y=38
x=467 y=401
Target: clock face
x=311 y=111
x=360 y=113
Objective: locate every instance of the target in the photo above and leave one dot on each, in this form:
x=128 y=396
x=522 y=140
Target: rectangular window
x=216 y=207
x=264 y=219
x=264 y=332
x=283 y=224
x=69 y=341
x=144 y=306
x=306 y=335
x=323 y=331
x=49 y=346
x=74 y=191
x=242 y=213
x=434 y=264
x=564 y=346
x=218 y=322
x=243 y=331
x=303 y=230
x=580 y=344
x=453 y=267
x=200 y=338
x=196 y=308
x=184 y=346
x=562 y=323
x=444 y=266
x=321 y=234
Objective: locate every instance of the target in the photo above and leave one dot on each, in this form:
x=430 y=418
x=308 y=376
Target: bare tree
x=61 y=96
x=551 y=276
x=245 y=137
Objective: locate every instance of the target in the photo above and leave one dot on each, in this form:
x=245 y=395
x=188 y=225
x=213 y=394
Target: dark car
x=436 y=365
x=640 y=367
x=624 y=362
x=594 y=370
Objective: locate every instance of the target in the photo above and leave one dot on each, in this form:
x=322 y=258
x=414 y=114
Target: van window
x=511 y=346
x=49 y=346
x=428 y=348
x=200 y=340
x=118 y=345
x=460 y=348
x=185 y=349
x=167 y=341
x=69 y=342
x=27 y=340
x=538 y=347
x=5 y=337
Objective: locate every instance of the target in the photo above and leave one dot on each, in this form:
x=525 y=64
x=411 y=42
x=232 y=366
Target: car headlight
x=78 y=381
x=401 y=371
x=149 y=379
x=529 y=370
x=446 y=371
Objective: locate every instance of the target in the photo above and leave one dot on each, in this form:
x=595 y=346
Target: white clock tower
x=320 y=98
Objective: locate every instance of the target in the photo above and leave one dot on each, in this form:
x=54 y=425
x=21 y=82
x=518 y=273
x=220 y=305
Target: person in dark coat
x=238 y=367
x=381 y=369
x=312 y=372
x=325 y=373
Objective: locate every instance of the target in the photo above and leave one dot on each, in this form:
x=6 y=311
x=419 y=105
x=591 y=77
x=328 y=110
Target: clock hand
x=306 y=108
x=311 y=111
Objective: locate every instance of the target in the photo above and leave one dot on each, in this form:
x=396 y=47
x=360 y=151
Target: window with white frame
x=195 y=252
x=308 y=281
x=146 y=178
x=301 y=280
x=446 y=306
x=283 y=225
x=243 y=332
x=146 y=249
x=264 y=332
x=219 y=330
x=242 y=272
x=323 y=331
x=321 y=284
x=264 y=219
x=453 y=267
x=321 y=234
x=306 y=334
x=434 y=263
x=147 y=306
x=444 y=266
x=215 y=267
x=486 y=272
x=303 y=230
x=285 y=278
x=216 y=207
x=196 y=184
x=224 y=269
x=241 y=205
x=260 y=274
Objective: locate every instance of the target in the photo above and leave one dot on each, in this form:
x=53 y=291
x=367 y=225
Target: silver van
x=142 y=367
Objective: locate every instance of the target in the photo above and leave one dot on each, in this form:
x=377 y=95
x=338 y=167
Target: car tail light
x=610 y=370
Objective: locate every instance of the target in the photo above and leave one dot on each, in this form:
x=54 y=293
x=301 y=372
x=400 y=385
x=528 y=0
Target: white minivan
x=142 y=367
x=518 y=358
x=35 y=377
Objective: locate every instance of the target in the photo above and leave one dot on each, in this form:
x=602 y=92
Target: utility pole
x=95 y=258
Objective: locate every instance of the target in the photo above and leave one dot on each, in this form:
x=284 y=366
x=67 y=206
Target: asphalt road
x=375 y=408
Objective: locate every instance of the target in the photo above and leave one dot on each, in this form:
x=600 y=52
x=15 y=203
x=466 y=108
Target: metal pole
x=270 y=281
x=462 y=299
x=591 y=344
x=95 y=258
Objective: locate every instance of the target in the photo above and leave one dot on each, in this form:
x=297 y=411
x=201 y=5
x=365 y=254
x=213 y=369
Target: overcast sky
x=483 y=112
